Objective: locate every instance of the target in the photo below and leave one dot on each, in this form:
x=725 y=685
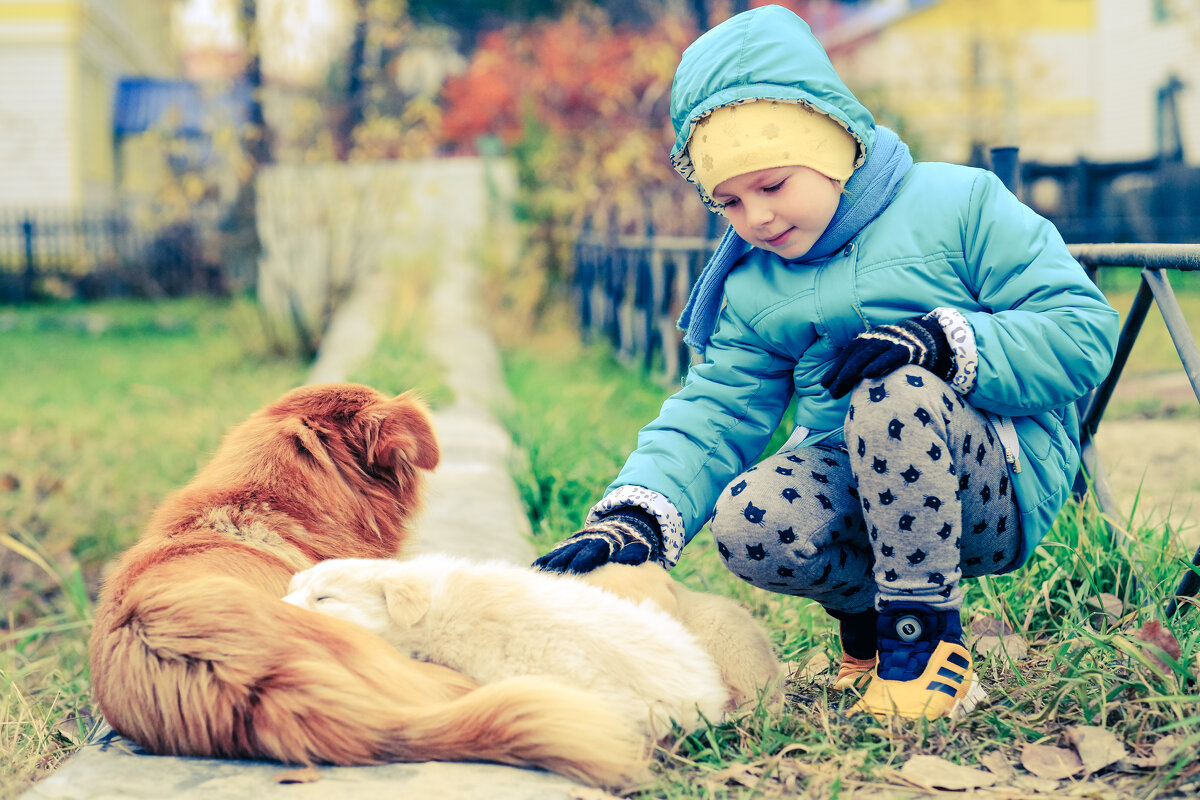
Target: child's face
x=781 y=209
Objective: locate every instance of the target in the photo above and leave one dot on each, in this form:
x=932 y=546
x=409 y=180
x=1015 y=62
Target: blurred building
x=1061 y=79
x=1102 y=98
x=61 y=61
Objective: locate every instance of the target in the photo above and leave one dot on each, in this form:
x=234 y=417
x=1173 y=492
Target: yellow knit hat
x=761 y=134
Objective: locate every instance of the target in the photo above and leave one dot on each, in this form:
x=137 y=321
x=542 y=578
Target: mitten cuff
x=637 y=523
x=670 y=521
x=939 y=359
x=961 y=337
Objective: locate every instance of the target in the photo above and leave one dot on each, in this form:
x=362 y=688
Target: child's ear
x=407 y=601
x=404 y=435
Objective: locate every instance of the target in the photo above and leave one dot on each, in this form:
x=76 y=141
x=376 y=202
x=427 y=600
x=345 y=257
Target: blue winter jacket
x=953 y=237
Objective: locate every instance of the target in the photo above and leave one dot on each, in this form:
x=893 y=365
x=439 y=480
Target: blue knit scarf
x=870 y=188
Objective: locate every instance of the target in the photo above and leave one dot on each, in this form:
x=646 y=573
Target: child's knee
x=909 y=390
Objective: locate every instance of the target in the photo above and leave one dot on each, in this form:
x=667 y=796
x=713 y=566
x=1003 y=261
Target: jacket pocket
x=1049 y=458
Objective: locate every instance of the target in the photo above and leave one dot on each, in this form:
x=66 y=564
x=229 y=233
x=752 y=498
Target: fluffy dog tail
x=213 y=667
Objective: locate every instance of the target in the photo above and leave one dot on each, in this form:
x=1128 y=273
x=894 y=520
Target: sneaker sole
x=972 y=698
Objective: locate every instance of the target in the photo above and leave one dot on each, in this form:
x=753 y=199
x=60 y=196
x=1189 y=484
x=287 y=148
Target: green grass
x=107 y=408
x=576 y=419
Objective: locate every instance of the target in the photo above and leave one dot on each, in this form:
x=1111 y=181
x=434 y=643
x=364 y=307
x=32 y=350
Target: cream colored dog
x=493 y=621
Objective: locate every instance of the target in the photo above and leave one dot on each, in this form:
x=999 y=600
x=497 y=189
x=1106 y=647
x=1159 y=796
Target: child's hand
x=875 y=353
x=626 y=536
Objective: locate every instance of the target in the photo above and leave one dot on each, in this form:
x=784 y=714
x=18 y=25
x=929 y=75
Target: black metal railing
x=98 y=252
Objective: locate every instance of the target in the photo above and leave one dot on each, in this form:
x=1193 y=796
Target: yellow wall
x=998 y=72
x=1011 y=15
x=97 y=41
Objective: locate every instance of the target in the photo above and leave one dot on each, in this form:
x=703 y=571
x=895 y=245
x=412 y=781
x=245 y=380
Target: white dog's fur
x=494 y=620
x=724 y=628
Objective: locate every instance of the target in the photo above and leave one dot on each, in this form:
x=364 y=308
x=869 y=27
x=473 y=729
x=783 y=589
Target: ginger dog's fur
x=194 y=653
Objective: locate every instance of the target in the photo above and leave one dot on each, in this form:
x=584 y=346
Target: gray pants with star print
x=919 y=498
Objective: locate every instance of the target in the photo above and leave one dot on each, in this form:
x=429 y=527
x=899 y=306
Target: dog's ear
x=407 y=600
x=403 y=433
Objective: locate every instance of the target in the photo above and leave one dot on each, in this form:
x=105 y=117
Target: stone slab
x=116 y=768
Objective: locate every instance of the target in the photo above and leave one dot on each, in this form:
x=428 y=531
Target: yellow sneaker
x=923 y=670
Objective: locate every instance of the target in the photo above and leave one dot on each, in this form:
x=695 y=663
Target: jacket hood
x=765 y=53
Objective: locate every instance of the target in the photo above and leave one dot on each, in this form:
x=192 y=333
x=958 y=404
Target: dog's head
x=344 y=460
x=346 y=588
x=386 y=597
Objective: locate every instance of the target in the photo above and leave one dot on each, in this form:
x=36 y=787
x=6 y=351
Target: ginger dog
x=194 y=652
x=725 y=629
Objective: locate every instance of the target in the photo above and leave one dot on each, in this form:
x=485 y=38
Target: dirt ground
x=1152 y=456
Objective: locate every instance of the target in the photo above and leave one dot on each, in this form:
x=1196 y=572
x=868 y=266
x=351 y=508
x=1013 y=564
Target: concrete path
x=473 y=510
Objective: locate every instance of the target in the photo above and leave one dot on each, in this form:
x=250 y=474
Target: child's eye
x=774 y=187
x=730 y=203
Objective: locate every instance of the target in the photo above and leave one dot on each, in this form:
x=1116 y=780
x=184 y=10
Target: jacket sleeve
x=1047 y=335
x=713 y=428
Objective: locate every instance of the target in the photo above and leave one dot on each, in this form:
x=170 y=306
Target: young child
x=934 y=332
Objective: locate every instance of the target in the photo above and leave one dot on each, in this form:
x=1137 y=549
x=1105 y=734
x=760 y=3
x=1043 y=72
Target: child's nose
x=759 y=212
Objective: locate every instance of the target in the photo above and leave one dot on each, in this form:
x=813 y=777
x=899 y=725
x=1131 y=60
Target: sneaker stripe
x=938 y=686
x=958 y=660
x=951 y=674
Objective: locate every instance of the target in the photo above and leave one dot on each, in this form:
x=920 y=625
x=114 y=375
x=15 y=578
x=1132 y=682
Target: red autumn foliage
x=573 y=74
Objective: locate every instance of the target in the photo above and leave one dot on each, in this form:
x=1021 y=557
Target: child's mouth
x=779 y=240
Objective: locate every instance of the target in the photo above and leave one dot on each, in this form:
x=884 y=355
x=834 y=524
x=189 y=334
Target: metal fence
x=630 y=290
x=93 y=253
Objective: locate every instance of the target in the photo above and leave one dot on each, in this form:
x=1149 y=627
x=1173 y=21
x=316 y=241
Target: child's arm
x=1048 y=334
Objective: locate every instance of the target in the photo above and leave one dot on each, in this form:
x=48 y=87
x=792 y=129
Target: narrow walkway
x=473 y=510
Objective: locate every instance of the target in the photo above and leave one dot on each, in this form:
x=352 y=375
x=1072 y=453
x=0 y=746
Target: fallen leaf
x=306 y=775
x=1097 y=747
x=1047 y=761
x=816 y=666
x=990 y=626
x=1033 y=785
x=998 y=765
x=1154 y=634
x=932 y=772
x=1108 y=609
x=1165 y=747
x=9 y=482
x=1013 y=646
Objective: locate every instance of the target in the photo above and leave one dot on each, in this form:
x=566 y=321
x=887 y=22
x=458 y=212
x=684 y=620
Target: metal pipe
x=1184 y=257
x=1181 y=335
x=1129 y=334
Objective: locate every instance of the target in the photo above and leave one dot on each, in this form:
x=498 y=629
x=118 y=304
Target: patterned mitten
x=875 y=353
x=628 y=535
